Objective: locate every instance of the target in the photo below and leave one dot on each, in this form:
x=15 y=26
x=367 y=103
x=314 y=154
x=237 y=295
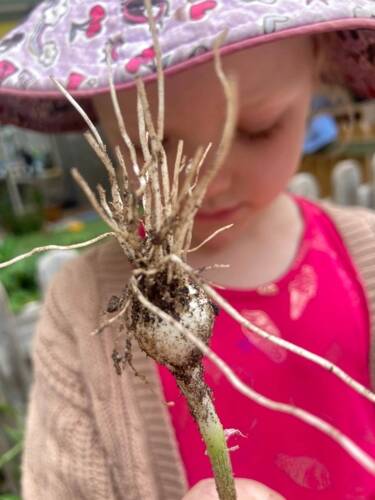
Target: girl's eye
x=263 y=134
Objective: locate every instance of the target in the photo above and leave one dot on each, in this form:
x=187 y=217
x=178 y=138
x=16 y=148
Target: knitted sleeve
x=63 y=458
x=357 y=227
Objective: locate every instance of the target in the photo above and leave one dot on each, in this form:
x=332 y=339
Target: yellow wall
x=5 y=27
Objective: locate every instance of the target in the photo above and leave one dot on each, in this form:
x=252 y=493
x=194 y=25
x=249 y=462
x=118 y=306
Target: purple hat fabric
x=67 y=39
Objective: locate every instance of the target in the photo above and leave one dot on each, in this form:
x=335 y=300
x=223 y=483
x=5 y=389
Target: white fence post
x=346 y=179
x=304 y=184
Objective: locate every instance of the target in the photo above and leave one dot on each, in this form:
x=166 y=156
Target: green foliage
x=7 y=410
x=19 y=280
x=13 y=435
x=31 y=220
x=11 y=454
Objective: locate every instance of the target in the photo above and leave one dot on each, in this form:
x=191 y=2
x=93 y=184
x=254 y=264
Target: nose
x=222 y=182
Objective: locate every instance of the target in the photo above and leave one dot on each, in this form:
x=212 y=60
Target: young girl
x=297 y=269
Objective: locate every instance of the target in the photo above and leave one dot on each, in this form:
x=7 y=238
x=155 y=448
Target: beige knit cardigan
x=92 y=435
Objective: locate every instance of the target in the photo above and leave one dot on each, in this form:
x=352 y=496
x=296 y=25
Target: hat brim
x=28 y=97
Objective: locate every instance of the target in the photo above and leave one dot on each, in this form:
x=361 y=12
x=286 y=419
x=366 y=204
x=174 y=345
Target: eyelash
x=259 y=136
x=263 y=134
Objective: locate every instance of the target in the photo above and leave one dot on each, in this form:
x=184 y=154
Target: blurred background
x=40 y=204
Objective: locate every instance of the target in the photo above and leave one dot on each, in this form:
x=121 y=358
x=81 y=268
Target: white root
x=119 y=117
x=176 y=172
x=211 y=237
x=159 y=69
x=230 y=92
x=115 y=189
x=112 y=320
x=80 y=110
x=54 y=247
x=94 y=202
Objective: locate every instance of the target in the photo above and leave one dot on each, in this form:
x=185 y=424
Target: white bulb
x=166 y=344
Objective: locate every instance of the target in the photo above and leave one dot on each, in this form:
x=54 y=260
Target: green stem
x=203 y=410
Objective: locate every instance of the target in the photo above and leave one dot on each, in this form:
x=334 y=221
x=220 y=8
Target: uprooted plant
x=166 y=306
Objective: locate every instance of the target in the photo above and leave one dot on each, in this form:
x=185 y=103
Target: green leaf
x=9 y=496
x=15 y=435
x=11 y=454
x=6 y=409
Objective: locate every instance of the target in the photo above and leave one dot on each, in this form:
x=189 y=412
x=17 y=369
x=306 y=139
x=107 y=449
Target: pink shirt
x=318 y=304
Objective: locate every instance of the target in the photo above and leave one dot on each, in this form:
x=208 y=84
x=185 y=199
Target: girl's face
x=275 y=83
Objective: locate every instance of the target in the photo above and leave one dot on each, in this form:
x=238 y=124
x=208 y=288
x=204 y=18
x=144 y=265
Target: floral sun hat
x=68 y=39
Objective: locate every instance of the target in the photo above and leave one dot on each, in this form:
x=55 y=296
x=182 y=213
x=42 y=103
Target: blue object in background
x=322 y=131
